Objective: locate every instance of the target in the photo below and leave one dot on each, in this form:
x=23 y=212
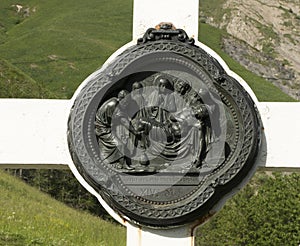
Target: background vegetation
x=46 y=50
x=29 y=217
x=266 y=212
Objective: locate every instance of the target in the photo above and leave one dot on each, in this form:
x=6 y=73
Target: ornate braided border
x=87 y=160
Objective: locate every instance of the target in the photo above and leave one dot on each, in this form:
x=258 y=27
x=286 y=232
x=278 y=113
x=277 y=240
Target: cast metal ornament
x=162 y=133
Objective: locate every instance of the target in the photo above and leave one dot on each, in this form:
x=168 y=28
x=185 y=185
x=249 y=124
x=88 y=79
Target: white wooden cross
x=33 y=132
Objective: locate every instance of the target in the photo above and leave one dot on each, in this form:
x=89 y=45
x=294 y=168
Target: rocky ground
x=264 y=36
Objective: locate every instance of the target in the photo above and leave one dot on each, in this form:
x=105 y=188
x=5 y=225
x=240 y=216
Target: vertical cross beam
x=182 y=236
x=33 y=132
x=182 y=14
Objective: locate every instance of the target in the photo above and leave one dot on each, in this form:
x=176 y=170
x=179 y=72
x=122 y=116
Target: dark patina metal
x=162 y=132
x=165 y=31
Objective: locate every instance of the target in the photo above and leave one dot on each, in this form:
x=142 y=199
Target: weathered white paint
x=281 y=122
x=182 y=13
x=182 y=236
x=33 y=132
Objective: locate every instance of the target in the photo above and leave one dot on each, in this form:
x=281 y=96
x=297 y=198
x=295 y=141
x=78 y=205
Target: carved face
x=163 y=84
x=181 y=87
x=136 y=86
x=123 y=99
x=195 y=97
x=200 y=111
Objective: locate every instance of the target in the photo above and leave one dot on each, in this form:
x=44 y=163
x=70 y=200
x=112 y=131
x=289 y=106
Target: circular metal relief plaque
x=162 y=133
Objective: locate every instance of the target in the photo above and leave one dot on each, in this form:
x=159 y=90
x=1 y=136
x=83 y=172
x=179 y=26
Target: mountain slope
x=60 y=44
x=264 y=37
x=263 y=89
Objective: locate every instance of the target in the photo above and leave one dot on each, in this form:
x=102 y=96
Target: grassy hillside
x=15 y=83
x=59 y=44
x=29 y=217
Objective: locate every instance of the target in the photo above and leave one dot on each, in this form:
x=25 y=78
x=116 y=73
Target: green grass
x=212 y=8
x=29 y=217
x=15 y=83
x=61 y=43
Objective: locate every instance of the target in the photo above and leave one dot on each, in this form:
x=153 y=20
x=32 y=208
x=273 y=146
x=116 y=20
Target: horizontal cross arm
x=281 y=142
x=33 y=133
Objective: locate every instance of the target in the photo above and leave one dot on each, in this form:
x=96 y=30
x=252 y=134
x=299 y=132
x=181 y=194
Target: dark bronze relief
x=162 y=132
x=159 y=121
